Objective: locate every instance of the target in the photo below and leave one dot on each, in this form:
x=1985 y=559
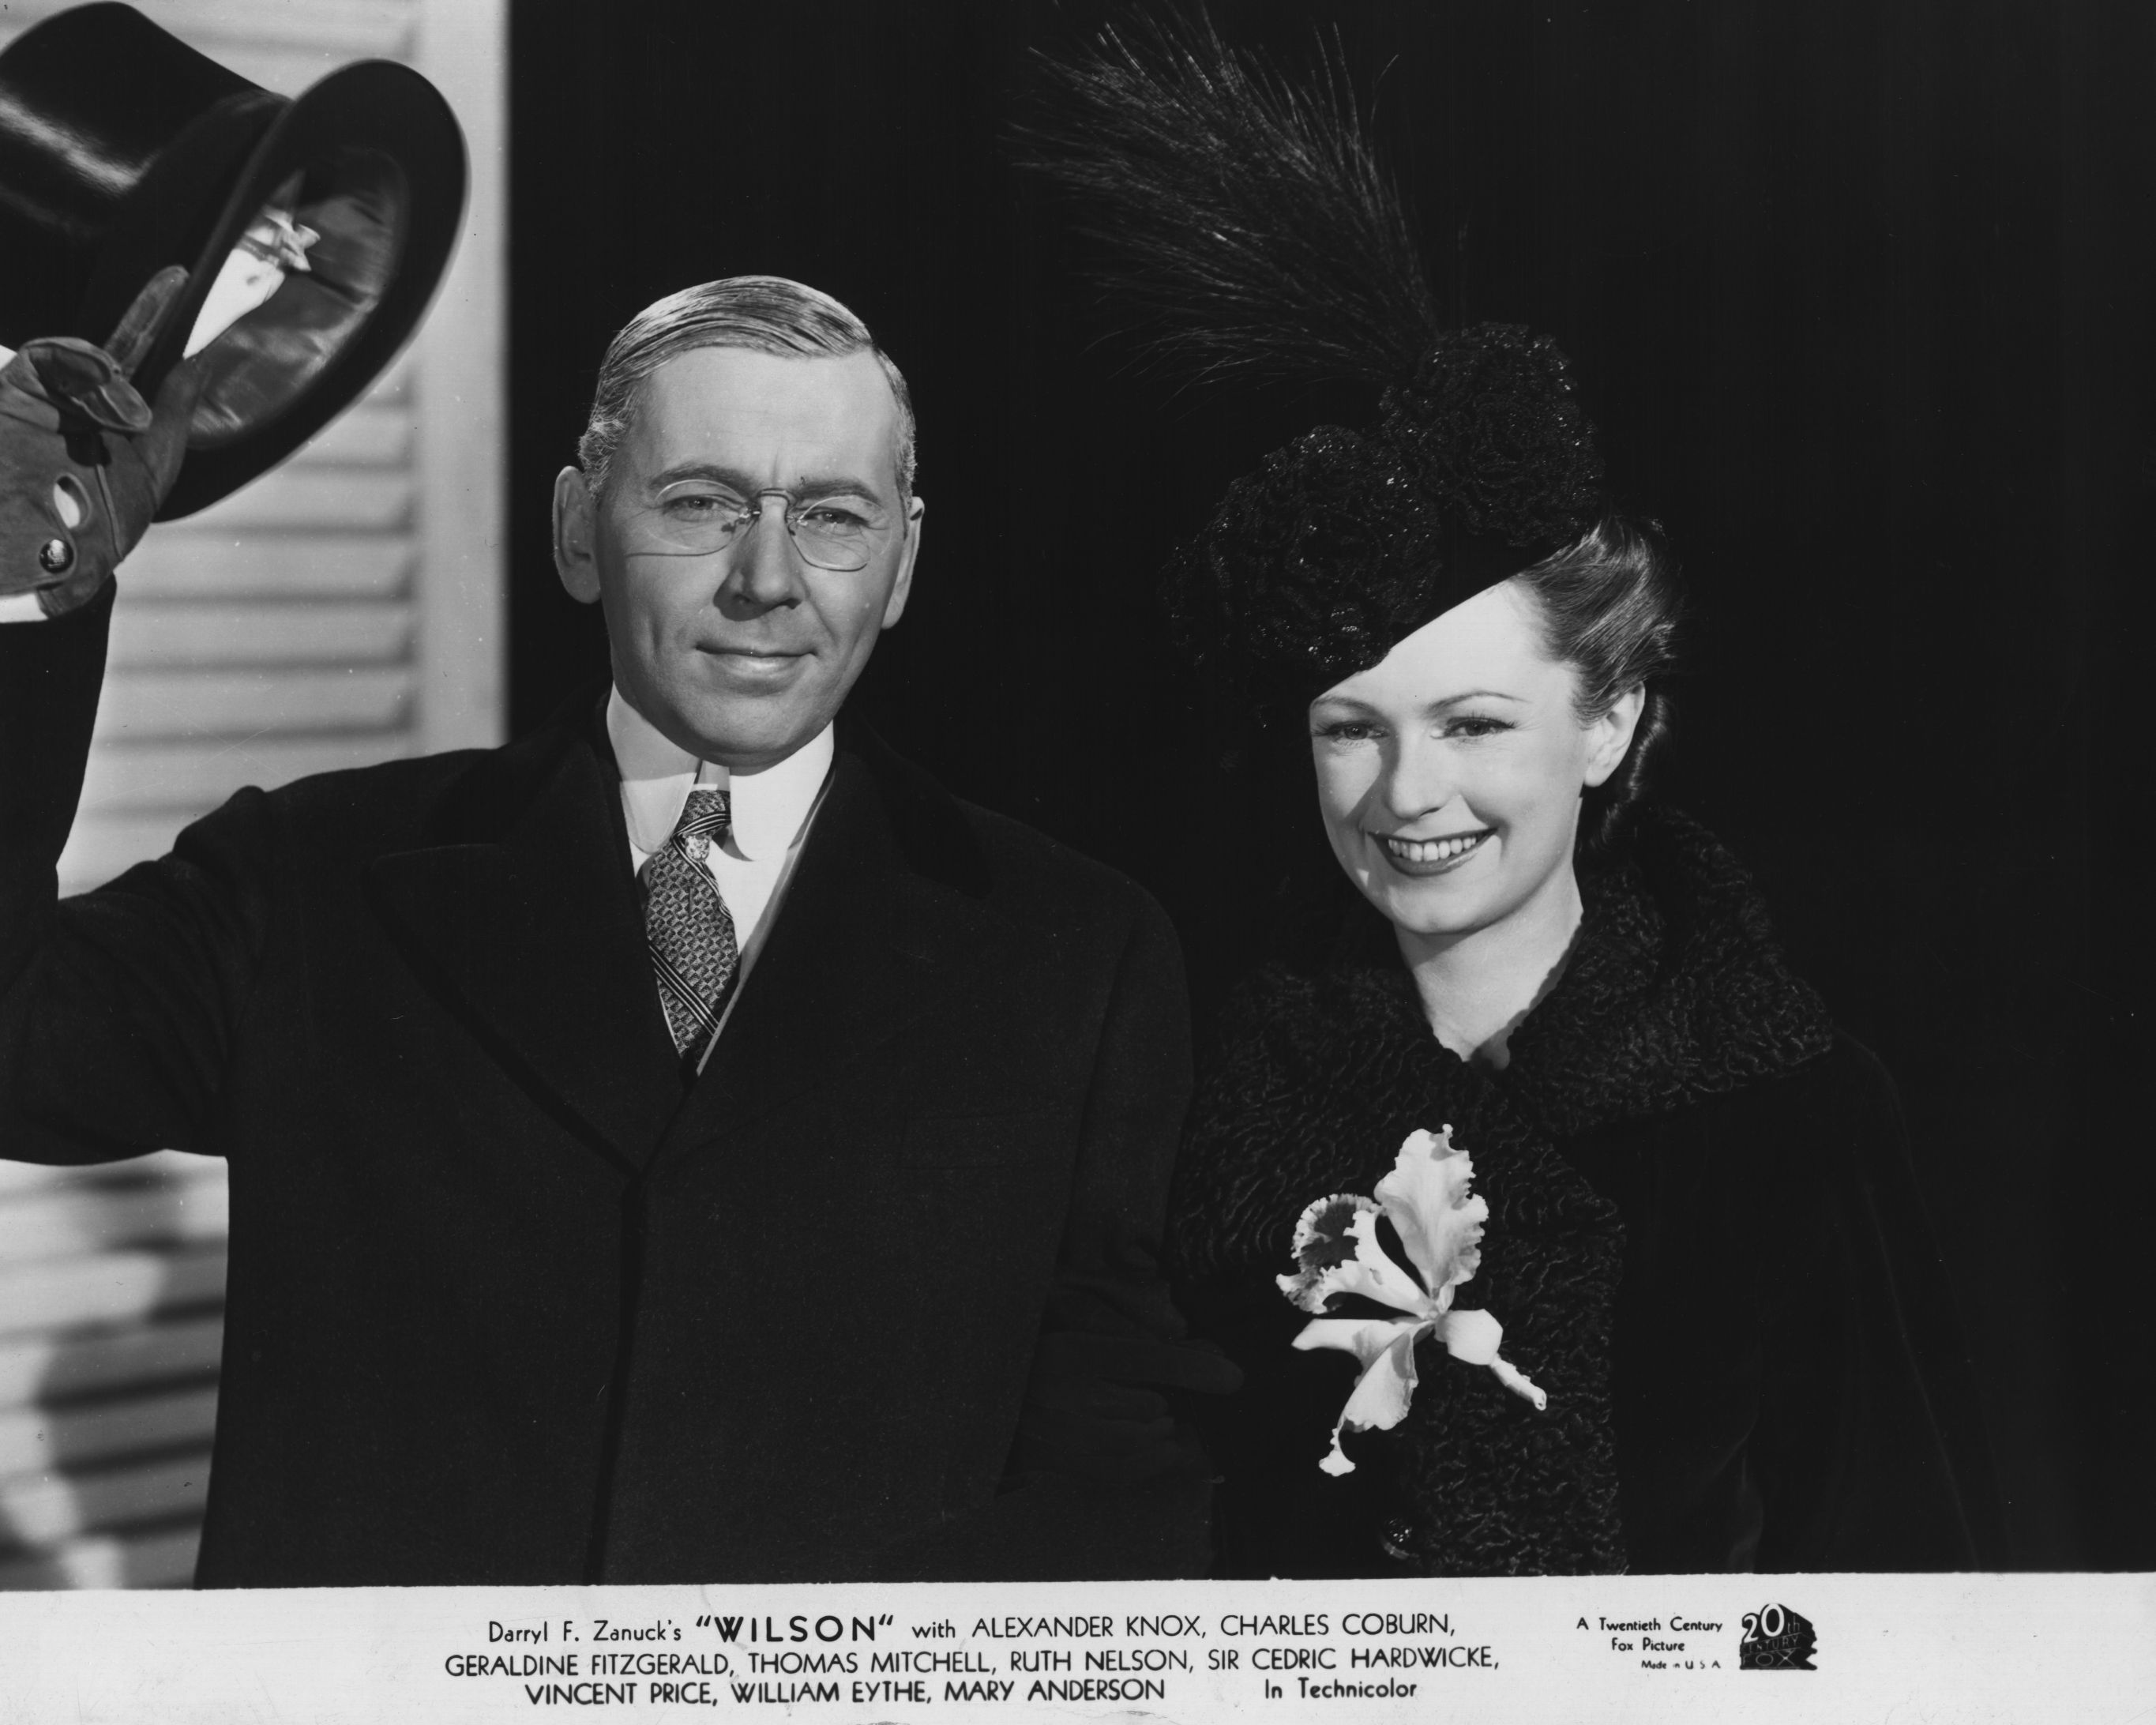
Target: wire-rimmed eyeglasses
x=697 y=518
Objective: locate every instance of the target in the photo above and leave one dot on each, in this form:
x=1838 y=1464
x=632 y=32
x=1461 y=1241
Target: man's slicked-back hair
x=766 y=314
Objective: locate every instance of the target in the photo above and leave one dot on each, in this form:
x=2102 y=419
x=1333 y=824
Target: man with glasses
x=685 y=1144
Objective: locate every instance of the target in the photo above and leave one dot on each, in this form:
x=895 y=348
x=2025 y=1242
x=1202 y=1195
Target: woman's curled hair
x=1610 y=607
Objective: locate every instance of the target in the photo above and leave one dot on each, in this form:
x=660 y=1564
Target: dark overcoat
x=509 y=1304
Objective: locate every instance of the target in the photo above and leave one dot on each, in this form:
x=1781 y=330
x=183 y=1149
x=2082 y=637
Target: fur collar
x=1676 y=990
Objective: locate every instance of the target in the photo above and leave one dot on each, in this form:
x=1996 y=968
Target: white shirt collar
x=657 y=775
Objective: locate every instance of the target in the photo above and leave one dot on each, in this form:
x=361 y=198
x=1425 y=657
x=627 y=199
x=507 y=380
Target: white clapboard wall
x=340 y=611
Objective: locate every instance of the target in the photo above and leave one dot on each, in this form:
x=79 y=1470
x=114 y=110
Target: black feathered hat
x=123 y=150
x=1254 y=229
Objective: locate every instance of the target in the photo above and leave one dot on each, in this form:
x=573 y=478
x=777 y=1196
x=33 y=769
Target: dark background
x=1860 y=293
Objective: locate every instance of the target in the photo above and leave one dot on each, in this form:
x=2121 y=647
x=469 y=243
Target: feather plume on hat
x=1248 y=225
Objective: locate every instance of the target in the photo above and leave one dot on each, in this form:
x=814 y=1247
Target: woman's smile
x=1422 y=858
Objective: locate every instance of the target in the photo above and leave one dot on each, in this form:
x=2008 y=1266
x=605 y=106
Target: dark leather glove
x=85 y=462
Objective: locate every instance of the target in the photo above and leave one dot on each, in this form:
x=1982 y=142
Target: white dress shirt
x=772 y=811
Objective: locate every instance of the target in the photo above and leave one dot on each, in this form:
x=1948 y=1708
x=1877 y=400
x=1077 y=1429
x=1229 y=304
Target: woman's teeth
x=1430 y=851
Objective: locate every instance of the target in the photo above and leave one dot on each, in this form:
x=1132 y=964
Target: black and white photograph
x=1471 y=907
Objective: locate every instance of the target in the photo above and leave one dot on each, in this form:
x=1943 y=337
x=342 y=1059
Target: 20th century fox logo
x=1776 y=1638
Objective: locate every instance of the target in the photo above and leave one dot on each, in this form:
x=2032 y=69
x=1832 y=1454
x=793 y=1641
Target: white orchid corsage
x=1337 y=1251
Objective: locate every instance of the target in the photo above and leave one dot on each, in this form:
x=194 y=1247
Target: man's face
x=741 y=655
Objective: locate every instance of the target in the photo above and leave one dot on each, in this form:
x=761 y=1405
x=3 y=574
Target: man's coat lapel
x=525 y=918
x=867 y=937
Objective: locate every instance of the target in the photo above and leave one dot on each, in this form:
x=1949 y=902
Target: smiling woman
x=1692 y=1225
x=1449 y=775
x=1458 y=775
x=1702 y=1243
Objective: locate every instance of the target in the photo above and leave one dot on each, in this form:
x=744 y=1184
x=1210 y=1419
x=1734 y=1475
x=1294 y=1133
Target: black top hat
x=123 y=150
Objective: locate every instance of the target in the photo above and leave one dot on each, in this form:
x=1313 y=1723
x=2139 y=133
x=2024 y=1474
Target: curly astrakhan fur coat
x=1703 y=1242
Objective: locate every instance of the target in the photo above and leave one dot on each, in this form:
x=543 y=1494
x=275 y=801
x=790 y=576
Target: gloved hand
x=85 y=462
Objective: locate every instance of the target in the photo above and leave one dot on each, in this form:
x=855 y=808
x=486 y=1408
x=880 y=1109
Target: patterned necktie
x=686 y=922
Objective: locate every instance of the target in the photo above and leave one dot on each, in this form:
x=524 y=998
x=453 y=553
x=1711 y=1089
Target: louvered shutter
x=340 y=611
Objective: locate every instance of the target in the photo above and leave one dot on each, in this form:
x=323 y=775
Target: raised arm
x=109 y=1010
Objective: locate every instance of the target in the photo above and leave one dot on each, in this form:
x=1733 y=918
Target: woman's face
x=1449 y=773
